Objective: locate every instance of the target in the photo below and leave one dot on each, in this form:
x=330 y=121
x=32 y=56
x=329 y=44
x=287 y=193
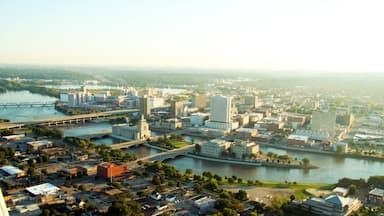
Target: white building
x=333 y=205
x=43 y=189
x=221 y=113
x=198 y=119
x=221 y=108
x=214 y=148
x=157 y=102
x=243 y=149
x=3 y=206
x=139 y=132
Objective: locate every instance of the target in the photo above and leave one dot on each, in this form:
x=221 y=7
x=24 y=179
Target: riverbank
x=318 y=151
x=252 y=163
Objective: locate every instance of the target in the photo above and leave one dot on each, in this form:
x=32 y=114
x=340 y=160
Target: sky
x=294 y=35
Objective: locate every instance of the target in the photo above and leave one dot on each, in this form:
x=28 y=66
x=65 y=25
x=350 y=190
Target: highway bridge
x=132 y=143
x=28 y=104
x=64 y=120
x=10 y=125
x=170 y=154
x=75 y=118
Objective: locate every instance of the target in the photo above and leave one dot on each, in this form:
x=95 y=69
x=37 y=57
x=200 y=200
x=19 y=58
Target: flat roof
x=39 y=142
x=297 y=137
x=377 y=192
x=11 y=170
x=43 y=189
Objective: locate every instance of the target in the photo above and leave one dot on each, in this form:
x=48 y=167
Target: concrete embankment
x=252 y=163
x=318 y=151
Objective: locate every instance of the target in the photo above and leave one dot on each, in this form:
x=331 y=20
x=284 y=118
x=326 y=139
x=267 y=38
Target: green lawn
x=179 y=144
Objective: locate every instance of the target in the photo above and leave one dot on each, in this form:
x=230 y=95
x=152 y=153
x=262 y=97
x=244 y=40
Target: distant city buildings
x=199 y=101
x=145 y=106
x=251 y=100
x=176 y=108
x=324 y=121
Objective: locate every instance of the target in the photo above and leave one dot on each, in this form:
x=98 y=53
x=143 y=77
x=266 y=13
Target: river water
x=25 y=113
x=331 y=168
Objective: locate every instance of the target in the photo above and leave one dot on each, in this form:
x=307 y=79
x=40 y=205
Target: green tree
x=305 y=161
x=352 y=190
x=241 y=195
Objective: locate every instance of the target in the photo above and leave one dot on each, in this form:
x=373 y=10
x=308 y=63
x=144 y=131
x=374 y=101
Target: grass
x=179 y=144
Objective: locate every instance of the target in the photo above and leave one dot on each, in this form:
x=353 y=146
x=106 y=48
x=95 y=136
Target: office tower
x=251 y=100
x=221 y=108
x=176 y=108
x=145 y=106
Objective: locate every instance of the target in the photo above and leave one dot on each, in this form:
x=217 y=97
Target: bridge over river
x=63 y=120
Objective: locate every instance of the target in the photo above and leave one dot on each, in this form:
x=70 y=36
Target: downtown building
x=221 y=113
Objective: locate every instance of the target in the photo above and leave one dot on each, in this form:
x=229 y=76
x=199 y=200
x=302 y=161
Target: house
x=376 y=196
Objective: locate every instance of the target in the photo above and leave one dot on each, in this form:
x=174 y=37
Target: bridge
x=28 y=104
x=132 y=143
x=63 y=120
x=170 y=154
x=10 y=125
x=82 y=118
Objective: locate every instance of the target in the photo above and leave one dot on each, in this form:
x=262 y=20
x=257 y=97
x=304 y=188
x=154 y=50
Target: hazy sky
x=314 y=35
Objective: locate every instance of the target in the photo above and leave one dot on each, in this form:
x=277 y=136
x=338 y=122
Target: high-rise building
x=221 y=108
x=221 y=113
x=145 y=106
x=251 y=100
x=176 y=108
x=199 y=101
x=324 y=121
x=3 y=206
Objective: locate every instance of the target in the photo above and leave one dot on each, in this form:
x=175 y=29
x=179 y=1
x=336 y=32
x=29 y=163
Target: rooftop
x=377 y=192
x=43 y=189
x=298 y=137
x=11 y=170
x=39 y=143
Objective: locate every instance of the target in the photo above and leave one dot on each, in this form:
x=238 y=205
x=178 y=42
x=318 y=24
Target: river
x=331 y=168
x=25 y=113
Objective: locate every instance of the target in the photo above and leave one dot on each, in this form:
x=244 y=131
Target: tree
x=197 y=148
x=156 y=180
x=229 y=212
x=197 y=188
x=305 y=161
x=352 y=189
x=241 y=195
x=189 y=171
x=82 y=187
x=44 y=171
x=31 y=171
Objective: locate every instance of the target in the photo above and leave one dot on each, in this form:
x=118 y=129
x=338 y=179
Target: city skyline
x=330 y=36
